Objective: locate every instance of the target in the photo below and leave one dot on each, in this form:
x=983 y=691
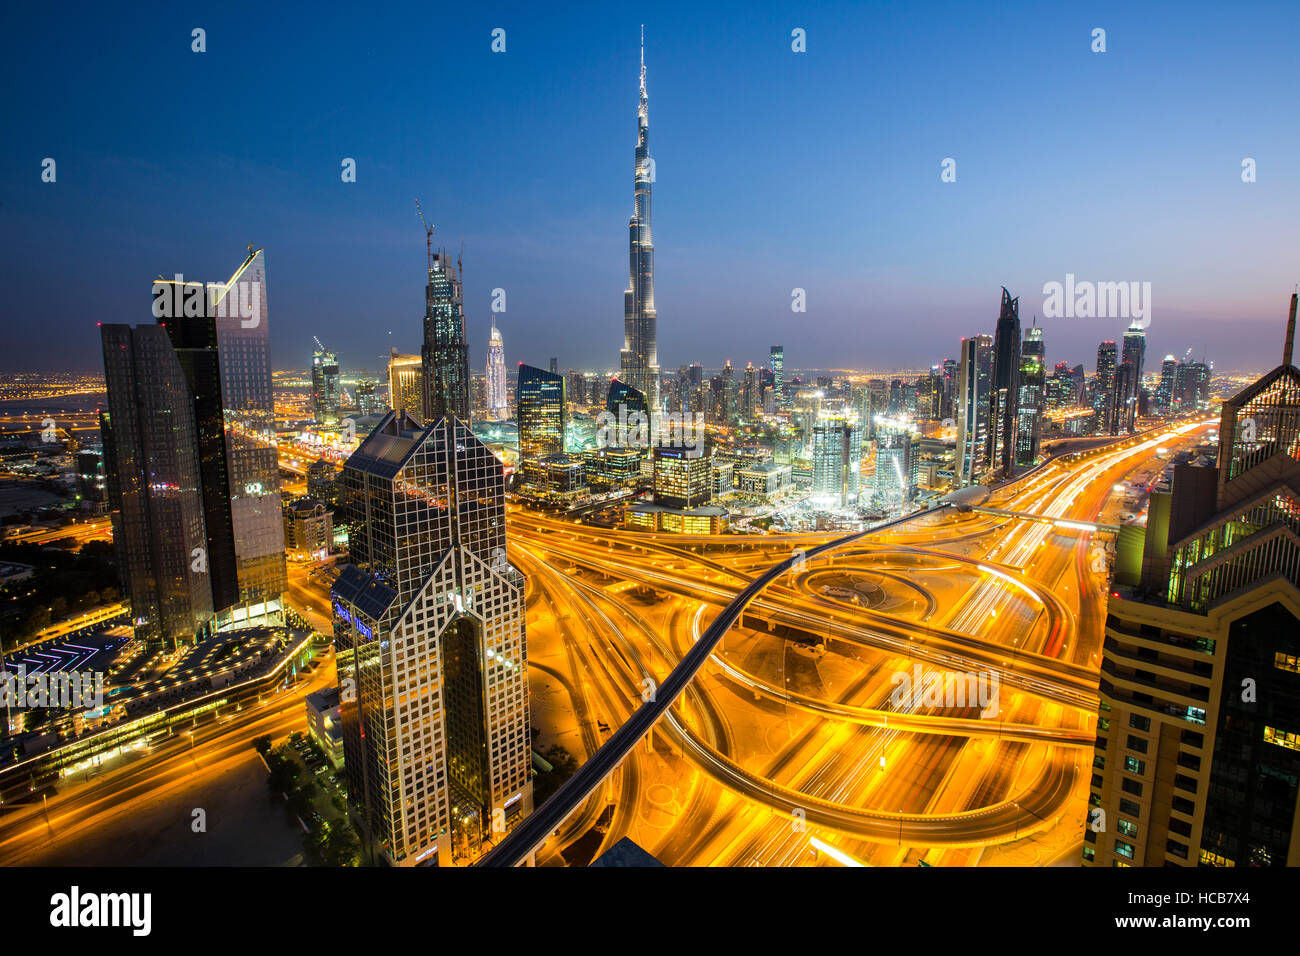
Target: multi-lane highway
x=760 y=757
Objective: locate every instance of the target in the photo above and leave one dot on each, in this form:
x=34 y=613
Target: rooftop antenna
x=1290 y=332
x=428 y=234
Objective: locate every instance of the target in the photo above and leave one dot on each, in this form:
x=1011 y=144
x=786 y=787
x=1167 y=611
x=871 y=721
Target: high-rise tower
x=639 y=359
x=325 y=398
x=1004 y=397
x=1032 y=396
x=497 y=406
x=432 y=655
x=1103 y=385
x=974 y=379
x=190 y=459
x=445 y=354
x=776 y=363
x=1133 y=356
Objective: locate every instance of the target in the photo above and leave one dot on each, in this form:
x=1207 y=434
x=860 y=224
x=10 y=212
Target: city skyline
x=891 y=258
x=946 y=521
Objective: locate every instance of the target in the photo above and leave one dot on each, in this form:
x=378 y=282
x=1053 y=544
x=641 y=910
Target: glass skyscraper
x=1033 y=377
x=155 y=495
x=541 y=412
x=897 y=464
x=776 y=360
x=189 y=435
x=432 y=652
x=837 y=461
x=406 y=384
x=974 y=379
x=1103 y=387
x=444 y=356
x=325 y=395
x=1004 y=396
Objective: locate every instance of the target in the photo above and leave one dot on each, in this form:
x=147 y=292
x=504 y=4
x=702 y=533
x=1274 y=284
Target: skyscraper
x=1032 y=396
x=325 y=397
x=1198 y=742
x=897 y=463
x=541 y=412
x=1004 y=396
x=639 y=359
x=445 y=354
x=1165 y=390
x=974 y=380
x=432 y=653
x=1132 y=356
x=837 y=461
x=1060 y=390
x=190 y=458
x=406 y=384
x=155 y=497
x=1191 y=386
x=776 y=358
x=683 y=477
x=368 y=400
x=1103 y=387
x=497 y=405
x=749 y=393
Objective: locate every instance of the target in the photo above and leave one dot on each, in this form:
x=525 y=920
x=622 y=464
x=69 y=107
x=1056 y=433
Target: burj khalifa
x=639 y=359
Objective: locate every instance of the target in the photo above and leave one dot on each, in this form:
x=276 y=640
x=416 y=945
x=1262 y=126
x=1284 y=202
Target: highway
x=1014 y=591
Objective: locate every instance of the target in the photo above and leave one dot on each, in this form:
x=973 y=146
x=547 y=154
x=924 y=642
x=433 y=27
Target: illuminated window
x=1287 y=662
x=1281 y=738
x=1209 y=858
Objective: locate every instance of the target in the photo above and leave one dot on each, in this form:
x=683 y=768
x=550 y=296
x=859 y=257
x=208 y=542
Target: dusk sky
x=774 y=170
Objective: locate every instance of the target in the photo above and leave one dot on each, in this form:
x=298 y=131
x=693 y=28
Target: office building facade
x=190 y=424
x=432 y=651
x=326 y=398
x=974 y=381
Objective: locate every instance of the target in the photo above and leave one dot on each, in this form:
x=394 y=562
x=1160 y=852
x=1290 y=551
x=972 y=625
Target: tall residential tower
x=497 y=406
x=639 y=358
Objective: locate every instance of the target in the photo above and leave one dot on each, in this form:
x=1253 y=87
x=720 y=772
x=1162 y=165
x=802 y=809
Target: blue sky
x=774 y=170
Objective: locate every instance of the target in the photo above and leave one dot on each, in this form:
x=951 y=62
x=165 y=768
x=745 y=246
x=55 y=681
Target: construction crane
x=428 y=234
x=318 y=343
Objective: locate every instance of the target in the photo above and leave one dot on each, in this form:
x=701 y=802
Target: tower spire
x=1289 y=347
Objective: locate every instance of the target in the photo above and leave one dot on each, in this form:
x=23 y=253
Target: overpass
x=537 y=827
x=1047 y=519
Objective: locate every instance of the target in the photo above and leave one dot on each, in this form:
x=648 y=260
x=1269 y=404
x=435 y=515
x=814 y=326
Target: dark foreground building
x=1197 y=758
x=190 y=460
